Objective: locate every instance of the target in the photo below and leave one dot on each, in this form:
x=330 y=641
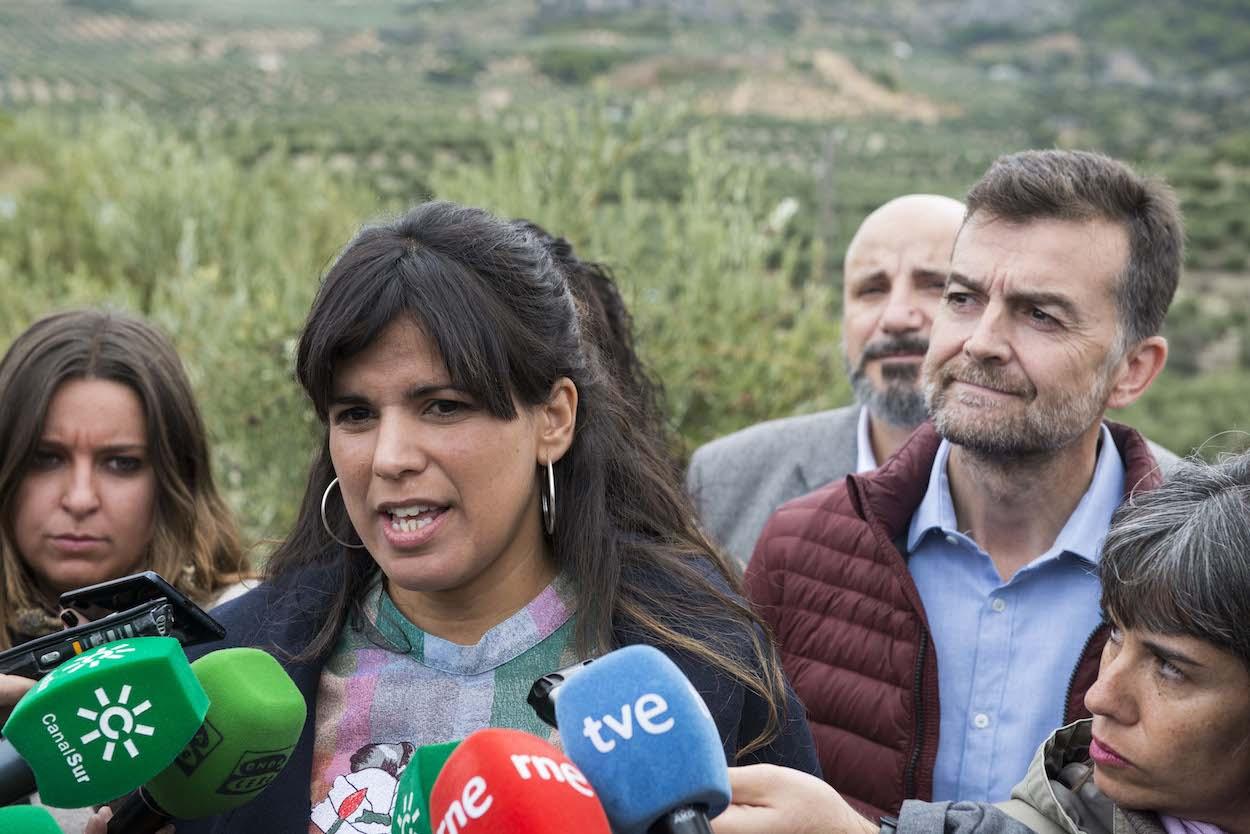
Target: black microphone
x=17 y=780
x=543 y=694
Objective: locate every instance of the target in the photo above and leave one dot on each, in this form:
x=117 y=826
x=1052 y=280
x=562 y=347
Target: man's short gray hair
x=1177 y=558
x=1079 y=185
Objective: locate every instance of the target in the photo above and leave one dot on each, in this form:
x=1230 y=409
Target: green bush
x=224 y=257
x=576 y=64
x=975 y=34
x=1204 y=413
x=1205 y=35
x=457 y=68
x=733 y=340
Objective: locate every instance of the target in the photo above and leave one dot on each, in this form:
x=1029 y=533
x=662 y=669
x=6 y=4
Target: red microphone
x=508 y=782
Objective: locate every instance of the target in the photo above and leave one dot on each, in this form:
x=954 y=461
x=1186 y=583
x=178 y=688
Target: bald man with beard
x=893 y=275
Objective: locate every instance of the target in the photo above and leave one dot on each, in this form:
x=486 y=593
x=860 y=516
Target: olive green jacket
x=1058 y=795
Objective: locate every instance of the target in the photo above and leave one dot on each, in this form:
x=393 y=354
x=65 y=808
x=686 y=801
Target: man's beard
x=899 y=401
x=1007 y=430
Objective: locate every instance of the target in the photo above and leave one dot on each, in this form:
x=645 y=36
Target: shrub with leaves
x=726 y=320
x=224 y=257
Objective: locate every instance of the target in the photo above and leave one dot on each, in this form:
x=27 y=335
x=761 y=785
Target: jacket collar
x=1077 y=806
x=893 y=492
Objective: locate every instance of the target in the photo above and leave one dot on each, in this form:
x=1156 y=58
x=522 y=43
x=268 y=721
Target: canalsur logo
x=116 y=722
x=91 y=660
x=406 y=815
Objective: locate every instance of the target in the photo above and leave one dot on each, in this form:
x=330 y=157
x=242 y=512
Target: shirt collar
x=538 y=620
x=936 y=512
x=865 y=460
x=1082 y=534
x=1087 y=526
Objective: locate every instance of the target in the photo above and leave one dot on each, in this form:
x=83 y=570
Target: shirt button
x=981 y=721
x=952 y=540
x=999 y=604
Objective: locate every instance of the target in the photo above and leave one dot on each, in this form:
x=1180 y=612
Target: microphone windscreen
x=27 y=819
x=640 y=732
x=256 y=717
x=412 y=795
x=501 y=781
x=99 y=726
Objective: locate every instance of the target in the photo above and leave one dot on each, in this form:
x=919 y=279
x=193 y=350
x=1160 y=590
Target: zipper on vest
x=909 y=775
x=1064 y=718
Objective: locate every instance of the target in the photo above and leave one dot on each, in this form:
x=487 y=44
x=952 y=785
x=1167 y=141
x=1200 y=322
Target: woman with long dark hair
x=104 y=470
x=486 y=506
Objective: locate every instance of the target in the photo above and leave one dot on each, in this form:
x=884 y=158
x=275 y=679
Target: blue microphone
x=638 y=730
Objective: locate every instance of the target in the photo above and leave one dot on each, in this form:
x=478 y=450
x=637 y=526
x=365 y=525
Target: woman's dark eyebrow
x=419 y=391
x=111 y=449
x=1170 y=655
x=414 y=393
x=347 y=399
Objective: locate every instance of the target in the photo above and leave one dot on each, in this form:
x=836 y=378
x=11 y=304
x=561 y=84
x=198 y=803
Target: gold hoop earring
x=548 y=498
x=325 y=496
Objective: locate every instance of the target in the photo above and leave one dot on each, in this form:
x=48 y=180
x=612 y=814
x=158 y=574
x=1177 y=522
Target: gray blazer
x=737 y=481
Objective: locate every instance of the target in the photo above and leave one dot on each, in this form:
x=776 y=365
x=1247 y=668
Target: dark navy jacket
x=283 y=620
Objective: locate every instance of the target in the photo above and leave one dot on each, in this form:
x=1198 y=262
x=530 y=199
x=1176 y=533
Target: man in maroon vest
x=966 y=565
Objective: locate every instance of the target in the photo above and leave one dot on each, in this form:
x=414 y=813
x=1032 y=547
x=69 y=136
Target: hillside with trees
x=202 y=162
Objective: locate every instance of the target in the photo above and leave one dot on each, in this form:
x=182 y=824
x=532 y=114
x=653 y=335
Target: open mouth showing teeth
x=411 y=519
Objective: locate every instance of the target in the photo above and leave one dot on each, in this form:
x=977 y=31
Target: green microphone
x=255 y=720
x=107 y=721
x=26 y=819
x=412 y=795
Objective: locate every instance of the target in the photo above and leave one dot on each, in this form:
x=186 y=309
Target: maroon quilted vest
x=829 y=579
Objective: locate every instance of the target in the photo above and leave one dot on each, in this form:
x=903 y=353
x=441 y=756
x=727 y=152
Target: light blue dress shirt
x=1006 y=651
x=865 y=458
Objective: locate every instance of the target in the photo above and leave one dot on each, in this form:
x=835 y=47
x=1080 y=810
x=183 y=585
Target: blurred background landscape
x=202 y=163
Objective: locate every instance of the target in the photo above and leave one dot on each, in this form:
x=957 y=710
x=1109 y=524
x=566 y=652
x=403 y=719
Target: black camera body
x=140 y=605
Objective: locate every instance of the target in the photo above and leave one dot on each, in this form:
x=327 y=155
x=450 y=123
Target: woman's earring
x=325 y=496
x=548 y=497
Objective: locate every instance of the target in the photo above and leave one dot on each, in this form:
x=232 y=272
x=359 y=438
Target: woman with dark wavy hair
x=486 y=507
x=104 y=470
